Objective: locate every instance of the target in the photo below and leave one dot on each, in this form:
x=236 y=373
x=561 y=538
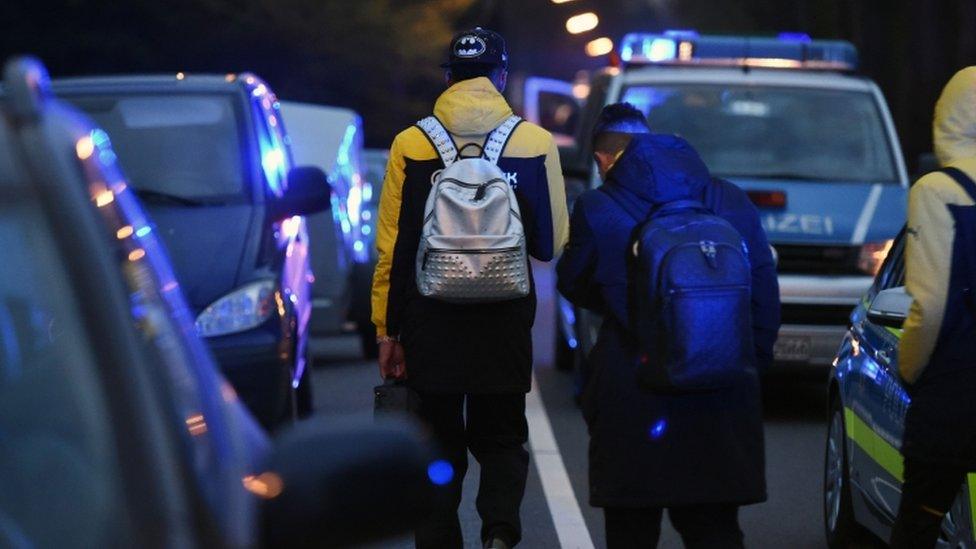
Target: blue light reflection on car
x=349 y=213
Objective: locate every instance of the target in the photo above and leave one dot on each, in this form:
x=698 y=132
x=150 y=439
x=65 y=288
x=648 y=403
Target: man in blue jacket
x=700 y=456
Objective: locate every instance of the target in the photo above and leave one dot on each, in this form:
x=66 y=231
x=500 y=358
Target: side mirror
x=890 y=307
x=347 y=485
x=308 y=192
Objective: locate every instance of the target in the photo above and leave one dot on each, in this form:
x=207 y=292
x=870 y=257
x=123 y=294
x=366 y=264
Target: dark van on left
x=209 y=157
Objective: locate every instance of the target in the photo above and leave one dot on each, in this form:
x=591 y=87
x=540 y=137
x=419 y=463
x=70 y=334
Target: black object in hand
x=393 y=397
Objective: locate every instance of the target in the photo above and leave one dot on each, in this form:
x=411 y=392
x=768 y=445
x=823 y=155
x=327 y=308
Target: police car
x=812 y=143
x=863 y=470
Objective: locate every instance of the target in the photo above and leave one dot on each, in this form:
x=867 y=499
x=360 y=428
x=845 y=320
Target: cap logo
x=469 y=46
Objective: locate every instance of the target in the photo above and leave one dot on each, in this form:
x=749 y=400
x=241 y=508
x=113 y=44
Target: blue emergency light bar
x=787 y=51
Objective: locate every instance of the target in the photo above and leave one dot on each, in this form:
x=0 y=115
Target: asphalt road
x=795 y=423
x=795 y=434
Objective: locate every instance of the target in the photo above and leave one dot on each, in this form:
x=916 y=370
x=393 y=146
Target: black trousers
x=711 y=526
x=495 y=431
x=926 y=496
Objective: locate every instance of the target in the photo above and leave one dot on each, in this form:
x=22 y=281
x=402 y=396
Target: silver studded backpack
x=472 y=248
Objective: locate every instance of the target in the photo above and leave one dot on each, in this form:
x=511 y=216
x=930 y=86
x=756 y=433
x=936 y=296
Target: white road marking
x=563 y=505
x=867 y=214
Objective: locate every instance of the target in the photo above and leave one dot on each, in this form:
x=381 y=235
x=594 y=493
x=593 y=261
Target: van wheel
x=955 y=526
x=841 y=529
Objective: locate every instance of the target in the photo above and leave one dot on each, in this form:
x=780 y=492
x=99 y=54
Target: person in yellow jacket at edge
x=476 y=357
x=937 y=354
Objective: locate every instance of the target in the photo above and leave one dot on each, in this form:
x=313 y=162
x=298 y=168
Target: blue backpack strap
x=963 y=180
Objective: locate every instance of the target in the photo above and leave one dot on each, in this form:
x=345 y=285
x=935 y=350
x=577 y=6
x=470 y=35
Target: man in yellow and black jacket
x=453 y=354
x=937 y=354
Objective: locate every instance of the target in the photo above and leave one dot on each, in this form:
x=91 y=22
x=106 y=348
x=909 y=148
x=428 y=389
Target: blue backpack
x=690 y=286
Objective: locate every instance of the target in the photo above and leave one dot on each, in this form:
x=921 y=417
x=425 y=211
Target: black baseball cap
x=477 y=46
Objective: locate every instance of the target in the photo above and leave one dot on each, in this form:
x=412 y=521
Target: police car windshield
x=184 y=148
x=774 y=132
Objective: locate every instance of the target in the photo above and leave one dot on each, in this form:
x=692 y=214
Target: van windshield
x=774 y=132
x=183 y=147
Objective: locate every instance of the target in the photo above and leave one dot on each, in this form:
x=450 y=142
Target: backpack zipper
x=710 y=290
x=482 y=190
x=472 y=185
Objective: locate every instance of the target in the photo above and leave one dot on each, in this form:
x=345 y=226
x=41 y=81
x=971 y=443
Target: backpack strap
x=440 y=139
x=498 y=138
x=964 y=181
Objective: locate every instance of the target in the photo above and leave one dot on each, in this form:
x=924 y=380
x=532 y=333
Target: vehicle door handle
x=882 y=356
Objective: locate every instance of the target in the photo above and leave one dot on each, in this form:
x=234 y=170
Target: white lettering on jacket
x=512 y=179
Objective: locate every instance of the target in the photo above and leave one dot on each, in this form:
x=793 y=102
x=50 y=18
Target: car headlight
x=244 y=308
x=872 y=256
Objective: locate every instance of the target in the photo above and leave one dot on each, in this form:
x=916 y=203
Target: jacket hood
x=658 y=168
x=472 y=107
x=954 y=129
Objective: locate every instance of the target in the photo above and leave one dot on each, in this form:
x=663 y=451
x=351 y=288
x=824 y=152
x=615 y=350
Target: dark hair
x=616 y=126
x=611 y=142
x=468 y=71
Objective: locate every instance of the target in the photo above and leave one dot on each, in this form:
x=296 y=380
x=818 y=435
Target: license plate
x=792 y=349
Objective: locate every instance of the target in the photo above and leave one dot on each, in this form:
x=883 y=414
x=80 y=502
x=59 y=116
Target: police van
x=788 y=120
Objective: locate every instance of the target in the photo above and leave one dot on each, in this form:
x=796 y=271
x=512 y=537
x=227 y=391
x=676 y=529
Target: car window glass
x=183 y=145
x=774 y=132
x=892 y=272
x=199 y=398
x=57 y=456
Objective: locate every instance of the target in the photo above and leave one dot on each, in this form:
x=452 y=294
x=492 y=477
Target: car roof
x=159 y=82
x=753 y=77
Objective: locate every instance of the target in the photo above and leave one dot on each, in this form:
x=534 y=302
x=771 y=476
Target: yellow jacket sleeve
x=387 y=224
x=928 y=258
x=557 y=201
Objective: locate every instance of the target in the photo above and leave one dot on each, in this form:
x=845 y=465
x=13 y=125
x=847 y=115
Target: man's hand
x=392 y=365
